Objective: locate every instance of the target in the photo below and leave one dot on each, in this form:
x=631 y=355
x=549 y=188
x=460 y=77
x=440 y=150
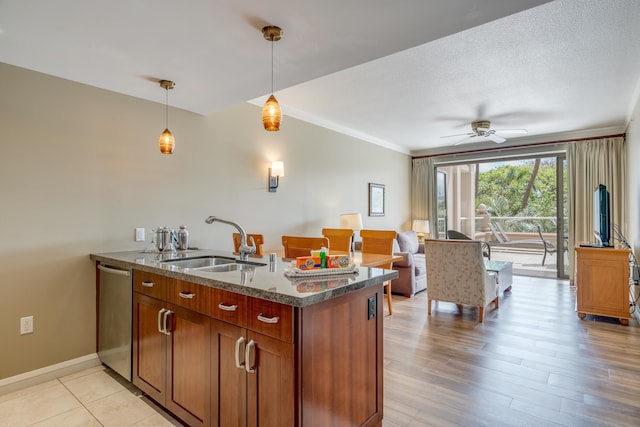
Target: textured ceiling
x=397 y=76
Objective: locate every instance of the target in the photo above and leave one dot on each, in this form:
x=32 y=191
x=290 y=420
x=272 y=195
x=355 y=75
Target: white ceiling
x=396 y=73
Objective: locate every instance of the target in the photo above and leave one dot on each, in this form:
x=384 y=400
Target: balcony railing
x=521 y=227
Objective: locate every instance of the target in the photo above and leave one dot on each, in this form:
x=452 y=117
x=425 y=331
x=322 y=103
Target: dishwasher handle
x=114 y=270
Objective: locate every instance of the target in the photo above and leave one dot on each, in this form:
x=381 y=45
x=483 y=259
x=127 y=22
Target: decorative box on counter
x=314 y=262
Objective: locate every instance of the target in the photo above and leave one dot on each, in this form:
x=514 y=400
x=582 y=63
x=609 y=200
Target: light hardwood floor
x=532 y=363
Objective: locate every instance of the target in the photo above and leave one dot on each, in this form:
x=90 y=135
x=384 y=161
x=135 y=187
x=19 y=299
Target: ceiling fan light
x=167 y=142
x=271 y=114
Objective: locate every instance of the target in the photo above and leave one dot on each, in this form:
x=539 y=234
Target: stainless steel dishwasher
x=115 y=319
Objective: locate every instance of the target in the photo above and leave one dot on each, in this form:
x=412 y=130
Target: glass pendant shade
x=167 y=142
x=271 y=114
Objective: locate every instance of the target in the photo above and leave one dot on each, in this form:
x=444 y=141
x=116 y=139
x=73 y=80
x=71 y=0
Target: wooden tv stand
x=602 y=279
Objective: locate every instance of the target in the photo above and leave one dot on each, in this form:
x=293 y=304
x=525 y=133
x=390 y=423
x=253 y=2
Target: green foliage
x=502 y=190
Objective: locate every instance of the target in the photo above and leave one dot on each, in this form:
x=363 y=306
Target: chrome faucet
x=244 y=249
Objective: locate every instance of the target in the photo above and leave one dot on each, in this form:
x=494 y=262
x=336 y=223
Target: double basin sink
x=213 y=263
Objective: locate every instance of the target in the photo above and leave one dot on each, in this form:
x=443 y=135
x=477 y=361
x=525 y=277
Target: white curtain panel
x=423 y=191
x=590 y=163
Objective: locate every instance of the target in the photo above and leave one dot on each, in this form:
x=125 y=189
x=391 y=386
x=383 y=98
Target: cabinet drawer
x=150 y=284
x=230 y=307
x=189 y=295
x=270 y=318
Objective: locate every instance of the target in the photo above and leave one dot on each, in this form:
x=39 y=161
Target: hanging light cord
x=166 y=110
x=271 y=64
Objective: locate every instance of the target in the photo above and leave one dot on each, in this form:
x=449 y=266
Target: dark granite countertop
x=266 y=282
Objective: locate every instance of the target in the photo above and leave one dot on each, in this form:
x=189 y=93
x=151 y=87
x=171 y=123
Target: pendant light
x=271 y=112
x=167 y=141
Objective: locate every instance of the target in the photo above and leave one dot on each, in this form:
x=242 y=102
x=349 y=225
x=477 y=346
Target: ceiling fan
x=482 y=130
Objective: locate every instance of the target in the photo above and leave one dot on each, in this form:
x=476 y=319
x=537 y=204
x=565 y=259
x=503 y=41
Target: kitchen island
x=253 y=346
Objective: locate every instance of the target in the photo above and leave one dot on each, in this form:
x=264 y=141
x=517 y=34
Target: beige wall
x=80 y=169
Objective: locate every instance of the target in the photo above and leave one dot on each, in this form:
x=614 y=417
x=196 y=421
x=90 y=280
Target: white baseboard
x=48 y=373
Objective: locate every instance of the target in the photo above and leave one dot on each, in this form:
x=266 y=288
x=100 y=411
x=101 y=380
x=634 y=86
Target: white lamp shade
x=277 y=168
x=351 y=220
x=421 y=226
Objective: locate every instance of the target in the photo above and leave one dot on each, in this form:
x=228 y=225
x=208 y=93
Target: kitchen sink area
x=213 y=263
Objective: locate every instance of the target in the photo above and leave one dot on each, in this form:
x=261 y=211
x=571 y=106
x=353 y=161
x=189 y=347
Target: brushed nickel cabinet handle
x=167 y=313
x=187 y=295
x=268 y=319
x=221 y=306
x=249 y=360
x=239 y=342
x=148 y=284
x=160 y=313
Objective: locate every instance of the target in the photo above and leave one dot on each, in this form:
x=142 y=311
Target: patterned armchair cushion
x=456 y=273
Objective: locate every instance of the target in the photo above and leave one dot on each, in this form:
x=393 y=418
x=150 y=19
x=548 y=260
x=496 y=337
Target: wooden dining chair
x=339 y=239
x=257 y=238
x=295 y=246
x=380 y=242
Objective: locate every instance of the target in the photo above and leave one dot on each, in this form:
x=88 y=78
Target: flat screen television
x=602 y=216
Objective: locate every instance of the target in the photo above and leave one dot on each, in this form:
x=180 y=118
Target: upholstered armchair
x=412 y=270
x=456 y=273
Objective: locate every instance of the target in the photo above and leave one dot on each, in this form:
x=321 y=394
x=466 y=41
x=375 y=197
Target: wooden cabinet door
x=270 y=381
x=602 y=279
x=228 y=382
x=341 y=357
x=149 y=353
x=188 y=362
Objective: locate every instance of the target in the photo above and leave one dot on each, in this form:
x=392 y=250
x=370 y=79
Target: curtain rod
x=533 y=144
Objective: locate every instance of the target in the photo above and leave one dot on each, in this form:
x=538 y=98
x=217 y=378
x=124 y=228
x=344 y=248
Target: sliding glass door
x=516 y=204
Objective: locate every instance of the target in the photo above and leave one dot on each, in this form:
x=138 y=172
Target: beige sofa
x=412 y=269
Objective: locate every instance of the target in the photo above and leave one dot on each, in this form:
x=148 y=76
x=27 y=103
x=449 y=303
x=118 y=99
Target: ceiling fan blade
x=495 y=138
x=459 y=134
x=512 y=131
x=471 y=138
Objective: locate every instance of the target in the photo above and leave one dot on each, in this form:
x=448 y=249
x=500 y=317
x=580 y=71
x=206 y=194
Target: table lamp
x=352 y=221
x=421 y=226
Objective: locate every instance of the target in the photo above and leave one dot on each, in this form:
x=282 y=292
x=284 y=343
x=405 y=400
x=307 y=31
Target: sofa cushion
x=406 y=261
x=420 y=264
x=408 y=241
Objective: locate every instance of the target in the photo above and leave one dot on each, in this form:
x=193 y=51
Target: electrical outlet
x=26 y=325
x=372 y=309
x=139 y=235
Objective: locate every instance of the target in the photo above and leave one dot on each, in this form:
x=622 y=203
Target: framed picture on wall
x=376 y=199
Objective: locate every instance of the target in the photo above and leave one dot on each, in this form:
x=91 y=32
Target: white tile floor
x=92 y=397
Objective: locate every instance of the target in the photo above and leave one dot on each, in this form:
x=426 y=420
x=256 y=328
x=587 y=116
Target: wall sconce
x=275 y=172
x=421 y=226
x=167 y=141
